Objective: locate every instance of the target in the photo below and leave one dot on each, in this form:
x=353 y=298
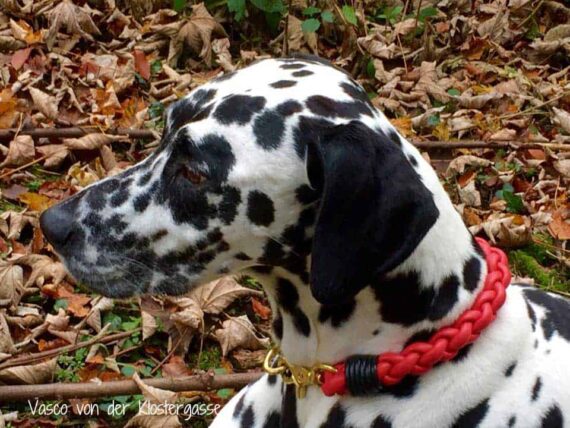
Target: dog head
x=263 y=167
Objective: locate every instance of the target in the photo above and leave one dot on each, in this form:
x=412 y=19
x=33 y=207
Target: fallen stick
x=34 y=358
x=8 y=134
x=60 y=391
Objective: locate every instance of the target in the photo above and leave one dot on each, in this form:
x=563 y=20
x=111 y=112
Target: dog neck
x=430 y=289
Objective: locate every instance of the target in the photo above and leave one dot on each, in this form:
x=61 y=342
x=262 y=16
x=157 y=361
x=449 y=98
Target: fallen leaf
x=559 y=227
x=20 y=152
x=562 y=118
x=176 y=367
x=29 y=375
x=75 y=19
x=11 y=283
x=90 y=141
x=457 y=165
x=149 y=325
x=260 y=309
x=20 y=57
x=56 y=154
x=6 y=343
x=101 y=304
x=35 y=201
x=239 y=332
x=217 y=295
x=142 y=66
x=45 y=103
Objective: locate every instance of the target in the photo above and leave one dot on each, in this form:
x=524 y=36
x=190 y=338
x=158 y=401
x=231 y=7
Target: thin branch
x=73 y=132
x=59 y=391
x=34 y=358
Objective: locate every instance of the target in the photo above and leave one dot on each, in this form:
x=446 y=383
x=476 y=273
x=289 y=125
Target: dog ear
x=374 y=209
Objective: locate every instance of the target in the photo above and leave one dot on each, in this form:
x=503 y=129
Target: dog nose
x=56 y=224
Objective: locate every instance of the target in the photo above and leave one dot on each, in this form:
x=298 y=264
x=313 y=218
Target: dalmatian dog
x=285 y=171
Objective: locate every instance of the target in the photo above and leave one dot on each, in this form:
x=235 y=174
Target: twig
x=33 y=358
x=59 y=391
x=73 y=132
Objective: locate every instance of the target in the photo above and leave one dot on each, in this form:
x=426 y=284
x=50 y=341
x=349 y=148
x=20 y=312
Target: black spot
x=96 y=199
x=272 y=420
x=216 y=152
x=557 y=313
x=283 y=84
x=278 y=326
x=248 y=418
x=355 y=91
x=471 y=273
x=328 y=107
x=531 y=315
x=512 y=421
x=404 y=389
x=338 y=314
x=306 y=195
x=536 y=389
x=242 y=256
x=302 y=73
x=222 y=247
x=553 y=418
x=272 y=379
x=336 y=417
x=187 y=109
x=260 y=209
x=289 y=408
x=420 y=336
x=288 y=298
x=394 y=137
x=445 y=298
x=228 y=207
x=238 y=109
x=292 y=66
x=472 y=417
x=268 y=129
x=510 y=369
x=381 y=422
x=120 y=196
x=108 y=186
x=144 y=179
x=264 y=270
x=413 y=160
x=289 y=108
x=404 y=302
x=239 y=406
x=463 y=353
x=141 y=202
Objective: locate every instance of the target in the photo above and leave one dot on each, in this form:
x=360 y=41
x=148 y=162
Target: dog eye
x=193 y=176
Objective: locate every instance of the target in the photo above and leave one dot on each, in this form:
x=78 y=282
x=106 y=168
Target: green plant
x=390 y=14
x=314 y=18
x=514 y=202
x=69 y=365
x=273 y=9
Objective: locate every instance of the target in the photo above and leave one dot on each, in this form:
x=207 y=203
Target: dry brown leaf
x=56 y=154
x=45 y=103
x=563 y=167
x=469 y=194
x=76 y=20
x=506 y=230
x=11 y=283
x=221 y=48
x=562 y=118
x=457 y=165
x=559 y=227
x=215 y=296
x=196 y=33
x=191 y=316
x=155 y=395
x=29 y=375
x=239 y=332
x=16 y=221
x=6 y=343
x=43 y=268
x=149 y=325
x=94 y=318
x=20 y=152
x=90 y=141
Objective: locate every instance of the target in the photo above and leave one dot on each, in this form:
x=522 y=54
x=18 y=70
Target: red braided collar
x=419 y=357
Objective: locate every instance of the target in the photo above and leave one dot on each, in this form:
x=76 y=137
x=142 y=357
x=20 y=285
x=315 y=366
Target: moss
x=210 y=358
x=526 y=264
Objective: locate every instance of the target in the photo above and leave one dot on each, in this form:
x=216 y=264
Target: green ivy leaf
x=60 y=304
x=349 y=15
x=237 y=7
x=179 y=5
x=311 y=10
x=427 y=12
x=433 y=120
x=269 y=6
x=453 y=92
x=310 y=25
x=128 y=371
x=327 y=16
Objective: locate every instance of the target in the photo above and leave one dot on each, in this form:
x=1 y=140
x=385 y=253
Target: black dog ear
x=374 y=209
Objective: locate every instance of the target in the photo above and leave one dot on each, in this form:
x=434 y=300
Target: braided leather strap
x=419 y=357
